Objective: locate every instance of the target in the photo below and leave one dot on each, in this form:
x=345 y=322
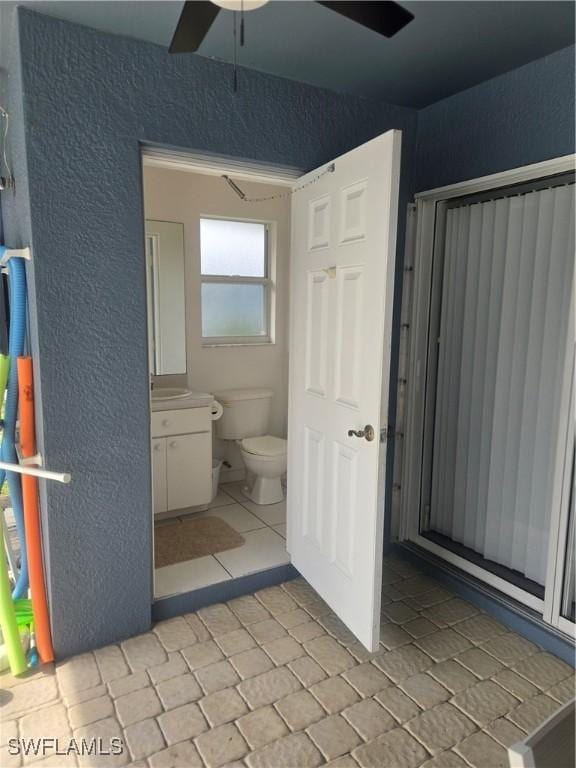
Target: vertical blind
x=505 y=330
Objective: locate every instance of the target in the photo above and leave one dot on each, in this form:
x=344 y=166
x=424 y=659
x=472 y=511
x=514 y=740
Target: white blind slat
x=455 y=329
x=470 y=298
x=438 y=500
x=499 y=526
x=516 y=353
x=494 y=311
x=530 y=397
x=478 y=377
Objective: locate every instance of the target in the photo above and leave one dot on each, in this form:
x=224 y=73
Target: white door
x=159 y=475
x=342 y=275
x=189 y=470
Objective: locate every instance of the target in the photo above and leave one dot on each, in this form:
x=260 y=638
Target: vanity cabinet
x=189 y=470
x=159 y=480
x=181 y=458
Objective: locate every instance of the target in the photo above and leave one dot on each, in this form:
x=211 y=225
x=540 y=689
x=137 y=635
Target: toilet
x=245 y=419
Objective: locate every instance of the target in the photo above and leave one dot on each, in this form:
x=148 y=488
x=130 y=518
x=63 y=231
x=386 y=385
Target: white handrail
x=60 y=477
x=15 y=253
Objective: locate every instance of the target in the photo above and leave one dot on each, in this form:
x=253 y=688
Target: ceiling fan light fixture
x=239 y=5
x=197 y=16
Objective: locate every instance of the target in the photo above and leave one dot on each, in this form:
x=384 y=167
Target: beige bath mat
x=188 y=539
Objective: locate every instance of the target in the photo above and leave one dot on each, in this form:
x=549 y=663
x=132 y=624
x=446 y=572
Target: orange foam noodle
x=32 y=512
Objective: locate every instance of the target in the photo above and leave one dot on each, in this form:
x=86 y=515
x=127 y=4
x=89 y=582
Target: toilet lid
x=265 y=445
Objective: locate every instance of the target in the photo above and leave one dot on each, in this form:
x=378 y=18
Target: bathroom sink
x=170 y=398
x=170 y=393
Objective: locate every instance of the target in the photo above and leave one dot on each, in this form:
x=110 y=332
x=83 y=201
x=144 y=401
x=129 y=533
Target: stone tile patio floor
x=274 y=680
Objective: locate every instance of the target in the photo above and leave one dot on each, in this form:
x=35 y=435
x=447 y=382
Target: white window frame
x=427 y=205
x=268 y=282
x=153 y=267
x=559 y=532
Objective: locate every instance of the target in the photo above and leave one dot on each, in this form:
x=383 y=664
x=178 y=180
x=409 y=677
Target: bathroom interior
x=217 y=285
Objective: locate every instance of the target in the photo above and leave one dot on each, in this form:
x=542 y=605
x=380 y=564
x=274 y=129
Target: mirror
x=166 y=297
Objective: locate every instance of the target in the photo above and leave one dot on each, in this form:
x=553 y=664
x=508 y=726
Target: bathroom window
x=236 y=282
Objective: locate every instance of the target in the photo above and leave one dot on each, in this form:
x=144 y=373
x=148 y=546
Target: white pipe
x=60 y=477
x=16 y=253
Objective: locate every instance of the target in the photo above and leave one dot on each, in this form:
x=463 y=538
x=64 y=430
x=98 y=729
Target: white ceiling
x=448 y=47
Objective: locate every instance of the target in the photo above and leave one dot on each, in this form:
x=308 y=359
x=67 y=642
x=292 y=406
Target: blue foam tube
x=8 y=453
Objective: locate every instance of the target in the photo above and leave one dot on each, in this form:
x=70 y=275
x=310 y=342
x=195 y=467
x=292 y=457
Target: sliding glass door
x=568 y=581
x=499 y=368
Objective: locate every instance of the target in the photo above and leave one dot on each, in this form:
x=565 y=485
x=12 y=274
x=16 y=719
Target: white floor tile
x=189 y=575
x=263 y=549
x=271 y=514
x=236 y=516
x=234 y=490
x=222 y=499
x=281 y=529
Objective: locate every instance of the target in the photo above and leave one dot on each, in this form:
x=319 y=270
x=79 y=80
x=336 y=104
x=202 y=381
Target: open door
x=342 y=276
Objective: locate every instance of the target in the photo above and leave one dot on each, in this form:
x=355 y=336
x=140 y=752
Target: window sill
x=228 y=344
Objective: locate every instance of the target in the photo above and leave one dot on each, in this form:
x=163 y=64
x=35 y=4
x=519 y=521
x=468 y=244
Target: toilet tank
x=246 y=413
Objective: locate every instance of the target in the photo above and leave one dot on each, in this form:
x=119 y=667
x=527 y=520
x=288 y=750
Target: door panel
x=312 y=512
x=317 y=311
x=159 y=475
x=348 y=346
x=343 y=252
x=342 y=521
x=189 y=470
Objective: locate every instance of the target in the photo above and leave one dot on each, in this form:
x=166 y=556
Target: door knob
x=367 y=433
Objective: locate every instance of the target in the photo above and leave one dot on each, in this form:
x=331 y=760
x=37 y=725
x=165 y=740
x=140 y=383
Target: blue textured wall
x=89 y=99
x=81 y=102
x=522 y=117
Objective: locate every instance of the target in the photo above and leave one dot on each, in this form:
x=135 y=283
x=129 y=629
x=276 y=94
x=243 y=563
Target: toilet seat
x=265 y=445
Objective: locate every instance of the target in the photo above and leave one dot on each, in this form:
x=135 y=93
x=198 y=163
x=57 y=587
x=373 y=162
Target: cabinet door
x=189 y=470
x=159 y=475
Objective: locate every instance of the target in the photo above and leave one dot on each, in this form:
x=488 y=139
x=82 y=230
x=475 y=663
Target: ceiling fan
x=386 y=18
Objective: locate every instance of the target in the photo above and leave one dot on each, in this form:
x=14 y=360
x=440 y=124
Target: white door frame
x=557 y=560
x=210 y=165
x=216 y=165
x=219 y=165
x=427 y=234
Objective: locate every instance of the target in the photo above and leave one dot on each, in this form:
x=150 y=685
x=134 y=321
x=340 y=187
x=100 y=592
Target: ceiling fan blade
x=193 y=25
x=386 y=18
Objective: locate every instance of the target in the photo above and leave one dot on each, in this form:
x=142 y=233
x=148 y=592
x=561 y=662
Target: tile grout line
x=268 y=525
x=222 y=566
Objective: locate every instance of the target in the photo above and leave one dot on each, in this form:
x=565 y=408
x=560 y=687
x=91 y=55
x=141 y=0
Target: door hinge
x=385 y=433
